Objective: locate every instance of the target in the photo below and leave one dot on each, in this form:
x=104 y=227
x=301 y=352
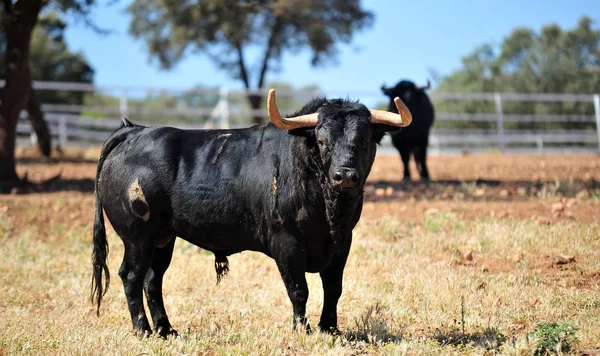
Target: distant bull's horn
x=402 y=119
x=290 y=123
x=427 y=86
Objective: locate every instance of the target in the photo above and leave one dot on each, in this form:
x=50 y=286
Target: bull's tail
x=100 y=251
x=99 y=255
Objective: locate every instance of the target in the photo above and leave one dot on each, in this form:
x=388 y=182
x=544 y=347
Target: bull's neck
x=340 y=207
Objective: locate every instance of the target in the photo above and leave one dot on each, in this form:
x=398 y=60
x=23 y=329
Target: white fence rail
x=68 y=125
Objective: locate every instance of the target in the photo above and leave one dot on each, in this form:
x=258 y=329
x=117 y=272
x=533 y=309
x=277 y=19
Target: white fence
x=69 y=126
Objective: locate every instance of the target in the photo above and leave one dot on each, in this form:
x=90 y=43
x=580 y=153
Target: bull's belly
x=222 y=237
x=316 y=265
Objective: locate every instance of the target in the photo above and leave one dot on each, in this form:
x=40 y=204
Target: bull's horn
x=402 y=119
x=289 y=123
x=427 y=86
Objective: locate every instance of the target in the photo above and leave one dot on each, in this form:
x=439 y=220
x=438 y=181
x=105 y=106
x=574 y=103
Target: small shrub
x=553 y=337
x=372 y=326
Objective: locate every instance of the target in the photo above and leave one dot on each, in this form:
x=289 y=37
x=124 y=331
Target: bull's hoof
x=308 y=329
x=331 y=330
x=166 y=332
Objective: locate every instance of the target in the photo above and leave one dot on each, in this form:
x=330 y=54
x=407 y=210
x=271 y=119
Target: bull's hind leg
x=153 y=288
x=331 y=278
x=136 y=262
x=404 y=148
x=421 y=160
x=405 y=155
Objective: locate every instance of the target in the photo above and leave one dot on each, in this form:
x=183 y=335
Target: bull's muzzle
x=345 y=178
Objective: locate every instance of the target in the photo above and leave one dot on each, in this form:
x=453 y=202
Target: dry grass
x=408 y=289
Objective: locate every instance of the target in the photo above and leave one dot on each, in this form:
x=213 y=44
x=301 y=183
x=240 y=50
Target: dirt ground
x=546 y=189
x=535 y=219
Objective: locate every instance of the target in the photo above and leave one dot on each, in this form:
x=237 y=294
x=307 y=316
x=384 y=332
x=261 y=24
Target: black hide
x=259 y=189
x=415 y=137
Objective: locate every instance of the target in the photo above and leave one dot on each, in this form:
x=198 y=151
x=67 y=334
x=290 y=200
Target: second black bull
x=291 y=189
x=415 y=138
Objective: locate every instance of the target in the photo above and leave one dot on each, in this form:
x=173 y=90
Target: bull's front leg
x=290 y=257
x=331 y=277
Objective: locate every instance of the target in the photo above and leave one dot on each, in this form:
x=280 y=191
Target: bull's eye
x=321 y=142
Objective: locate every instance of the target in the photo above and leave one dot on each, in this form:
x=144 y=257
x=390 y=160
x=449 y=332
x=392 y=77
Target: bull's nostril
x=337 y=176
x=354 y=177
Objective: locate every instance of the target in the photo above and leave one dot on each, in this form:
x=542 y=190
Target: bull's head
x=346 y=134
x=410 y=93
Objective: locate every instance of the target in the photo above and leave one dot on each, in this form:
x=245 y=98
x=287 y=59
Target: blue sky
x=408 y=39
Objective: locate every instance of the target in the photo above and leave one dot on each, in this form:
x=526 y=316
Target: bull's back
x=204 y=186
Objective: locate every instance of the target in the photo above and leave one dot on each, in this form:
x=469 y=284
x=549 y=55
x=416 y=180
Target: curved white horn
x=289 y=123
x=402 y=119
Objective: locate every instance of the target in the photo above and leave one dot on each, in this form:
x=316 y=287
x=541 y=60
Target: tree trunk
x=255 y=101
x=39 y=125
x=21 y=20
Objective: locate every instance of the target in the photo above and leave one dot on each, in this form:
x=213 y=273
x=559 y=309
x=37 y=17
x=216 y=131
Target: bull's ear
x=379 y=130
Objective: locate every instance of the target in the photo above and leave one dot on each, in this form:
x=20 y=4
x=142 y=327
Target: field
x=469 y=264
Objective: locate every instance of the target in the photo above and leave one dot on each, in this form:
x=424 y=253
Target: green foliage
x=221 y=27
x=555 y=338
x=554 y=60
x=227 y=31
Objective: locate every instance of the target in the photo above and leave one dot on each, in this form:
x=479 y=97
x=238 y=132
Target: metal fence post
x=597 y=109
x=33 y=137
x=500 y=120
x=123 y=103
x=62 y=131
x=539 y=142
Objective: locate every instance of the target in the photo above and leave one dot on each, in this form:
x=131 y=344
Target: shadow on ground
x=480 y=190
x=51 y=185
x=490 y=338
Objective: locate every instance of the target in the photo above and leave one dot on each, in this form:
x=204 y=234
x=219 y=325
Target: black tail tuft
x=221 y=266
x=99 y=256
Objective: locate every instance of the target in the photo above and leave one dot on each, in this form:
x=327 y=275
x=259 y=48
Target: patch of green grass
x=436 y=222
x=555 y=338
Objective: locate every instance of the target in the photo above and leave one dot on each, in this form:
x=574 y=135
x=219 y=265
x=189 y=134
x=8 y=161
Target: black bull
x=415 y=138
x=294 y=194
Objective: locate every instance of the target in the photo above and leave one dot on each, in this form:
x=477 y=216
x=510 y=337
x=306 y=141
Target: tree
x=228 y=30
x=551 y=61
x=51 y=60
x=18 y=20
